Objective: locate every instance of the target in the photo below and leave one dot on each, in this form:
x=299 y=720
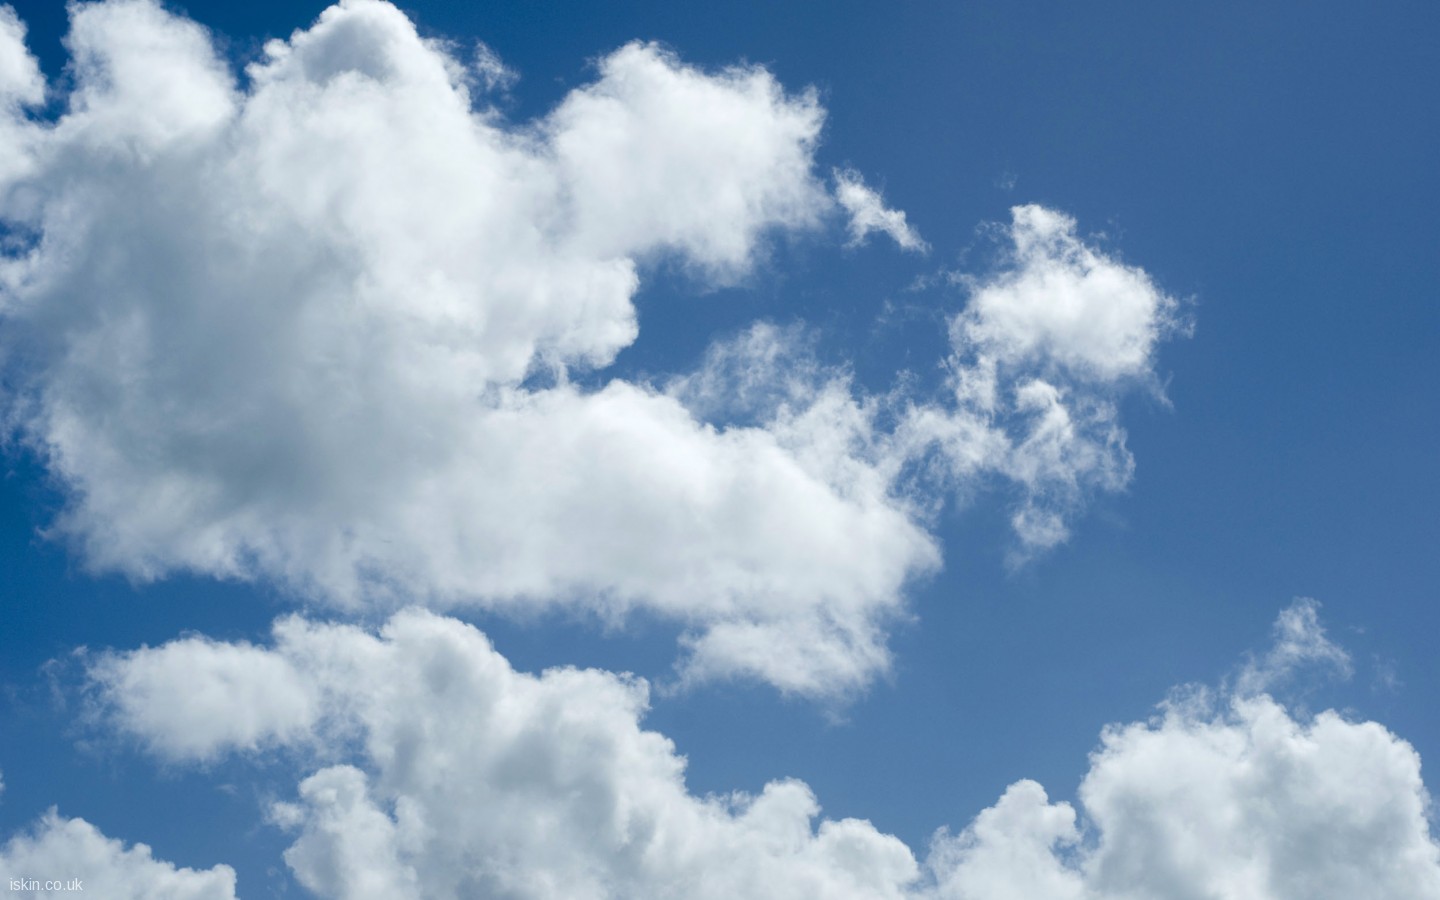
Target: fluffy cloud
x=21 y=85
x=319 y=330
x=1250 y=802
x=471 y=779
x=1234 y=803
x=240 y=696
x=286 y=332
x=1043 y=351
x=20 y=79
x=1065 y=306
x=442 y=772
x=71 y=850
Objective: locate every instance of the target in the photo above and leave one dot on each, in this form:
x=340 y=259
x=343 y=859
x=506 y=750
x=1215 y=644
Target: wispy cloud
x=1300 y=644
x=868 y=213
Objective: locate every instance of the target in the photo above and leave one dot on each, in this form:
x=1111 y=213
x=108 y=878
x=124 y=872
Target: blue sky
x=1257 y=184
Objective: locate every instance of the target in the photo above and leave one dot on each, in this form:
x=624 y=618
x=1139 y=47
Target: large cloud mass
x=318 y=329
x=466 y=778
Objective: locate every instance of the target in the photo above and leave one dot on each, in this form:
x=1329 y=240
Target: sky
x=538 y=450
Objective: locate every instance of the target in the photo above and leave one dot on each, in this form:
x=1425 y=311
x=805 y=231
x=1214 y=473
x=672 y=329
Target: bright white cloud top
x=317 y=330
x=467 y=778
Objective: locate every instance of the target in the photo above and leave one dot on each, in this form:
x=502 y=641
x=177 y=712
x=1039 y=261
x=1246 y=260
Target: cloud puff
x=1235 y=803
x=241 y=696
x=1041 y=354
x=319 y=330
x=1299 y=642
x=70 y=850
x=868 y=213
x=1249 y=802
x=443 y=772
x=1065 y=306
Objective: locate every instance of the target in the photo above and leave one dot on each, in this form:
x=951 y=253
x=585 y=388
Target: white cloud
x=1042 y=353
x=1300 y=641
x=319 y=331
x=21 y=85
x=658 y=155
x=753 y=375
x=1064 y=306
x=868 y=213
x=20 y=79
x=283 y=333
x=472 y=779
x=68 y=851
x=1249 y=802
x=494 y=75
x=1010 y=851
x=237 y=696
x=1243 y=802
x=442 y=772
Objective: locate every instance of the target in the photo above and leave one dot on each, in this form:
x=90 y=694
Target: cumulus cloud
x=1043 y=351
x=471 y=779
x=320 y=329
x=72 y=851
x=1246 y=801
x=443 y=772
x=285 y=332
x=1066 y=306
x=1236 y=801
x=1012 y=851
x=868 y=213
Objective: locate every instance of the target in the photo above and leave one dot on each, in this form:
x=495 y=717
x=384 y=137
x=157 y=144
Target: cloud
x=1065 y=306
x=1012 y=851
x=1041 y=355
x=73 y=850
x=1246 y=801
x=320 y=330
x=494 y=75
x=1240 y=801
x=240 y=696
x=21 y=86
x=868 y=213
x=286 y=333
x=1300 y=641
x=472 y=779
x=20 y=79
x=440 y=771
